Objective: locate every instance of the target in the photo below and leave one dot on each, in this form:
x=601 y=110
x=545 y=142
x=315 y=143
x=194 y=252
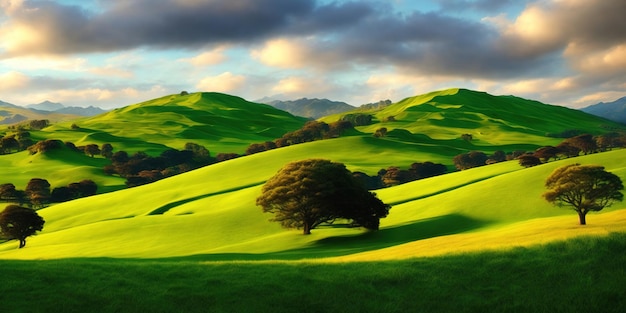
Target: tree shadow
x=366 y=241
x=387 y=237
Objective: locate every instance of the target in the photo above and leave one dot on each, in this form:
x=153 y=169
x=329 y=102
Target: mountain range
x=615 y=111
x=11 y=113
x=311 y=108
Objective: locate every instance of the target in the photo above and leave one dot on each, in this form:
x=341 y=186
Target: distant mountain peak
x=614 y=111
x=311 y=108
x=46 y=106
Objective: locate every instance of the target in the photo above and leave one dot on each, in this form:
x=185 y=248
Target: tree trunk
x=22 y=243
x=581 y=217
x=307 y=229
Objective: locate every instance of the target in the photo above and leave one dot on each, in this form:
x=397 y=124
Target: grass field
x=586 y=274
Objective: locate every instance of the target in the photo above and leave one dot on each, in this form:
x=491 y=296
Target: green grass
x=211 y=212
x=472 y=241
x=586 y=274
x=222 y=123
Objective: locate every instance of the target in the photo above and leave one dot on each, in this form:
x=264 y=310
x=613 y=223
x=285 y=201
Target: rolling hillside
x=491 y=120
x=222 y=123
x=210 y=213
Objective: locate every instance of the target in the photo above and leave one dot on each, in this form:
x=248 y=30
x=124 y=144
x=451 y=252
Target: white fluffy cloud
x=11 y=81
x=226 y=82
x=207 y=58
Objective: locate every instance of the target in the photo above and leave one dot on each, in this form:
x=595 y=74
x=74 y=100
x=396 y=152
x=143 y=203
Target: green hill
x=210 y=213
x=493 y=121
x=220 y=122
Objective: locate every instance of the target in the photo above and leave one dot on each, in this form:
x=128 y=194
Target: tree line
x=570 y=147
x=311 y=131
x=393 y=176
x=38 y=194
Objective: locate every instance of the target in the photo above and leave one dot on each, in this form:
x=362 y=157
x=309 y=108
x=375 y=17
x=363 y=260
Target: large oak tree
x=305 y=194
x=584 y=188
x=18 y=222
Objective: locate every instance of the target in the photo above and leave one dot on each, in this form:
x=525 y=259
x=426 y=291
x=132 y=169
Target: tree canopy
x=305 y=194
x=584 y=188
x=18 y=222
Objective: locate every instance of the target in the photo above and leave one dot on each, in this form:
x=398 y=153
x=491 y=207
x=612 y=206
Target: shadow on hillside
x=366 y=241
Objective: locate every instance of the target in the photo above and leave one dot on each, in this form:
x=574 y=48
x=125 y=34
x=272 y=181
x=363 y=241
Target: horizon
x=114 y=54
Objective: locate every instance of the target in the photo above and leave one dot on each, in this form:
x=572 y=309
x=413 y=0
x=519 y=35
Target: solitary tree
x=305 y=194
x=584 y=188
x=18 y=222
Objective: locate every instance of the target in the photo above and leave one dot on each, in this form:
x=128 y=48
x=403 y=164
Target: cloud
x=212 y=57
x=226 y=82
x=478 y=5
x=306 y=86
x=282 y=52
x=13 y=80
x=50 y=27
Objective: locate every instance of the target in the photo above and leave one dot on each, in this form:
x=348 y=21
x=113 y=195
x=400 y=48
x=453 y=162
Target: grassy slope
x=59 y=167
x=427 y=129
x=222 y=123
x=495 y=122
x=212 y=211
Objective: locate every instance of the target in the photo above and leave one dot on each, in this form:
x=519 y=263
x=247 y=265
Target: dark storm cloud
x=594 y=23
x=429 y=43
x=338 y=34
x=174 y=23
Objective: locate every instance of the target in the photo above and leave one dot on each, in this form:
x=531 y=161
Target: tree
x=305 y=194
x=528 y=160
x=38 y=191
x=381 y=132
x=107 y=150
x=9 y=143
x=92 y=149
x=546 y=153
x=585 y=188
x=17 y=222
x=469 y=160
x=585 y=143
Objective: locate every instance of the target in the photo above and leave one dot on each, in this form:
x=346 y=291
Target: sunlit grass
x=586 y=274
x=212 y=212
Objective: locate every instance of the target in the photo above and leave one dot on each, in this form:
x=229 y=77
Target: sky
x=113 y=53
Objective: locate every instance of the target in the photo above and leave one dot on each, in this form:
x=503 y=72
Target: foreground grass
x=586 y=274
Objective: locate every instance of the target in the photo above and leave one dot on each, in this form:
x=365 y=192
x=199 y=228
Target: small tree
x=107 y=150
x=381 y=132
x=584 y=188
x=92 y=149
x=305 y=194
x=528 y=160
x=18 y=222
x=38 y=191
